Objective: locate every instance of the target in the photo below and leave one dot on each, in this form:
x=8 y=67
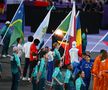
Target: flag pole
x=99 y=42
x=11 y=22
x=55 y=30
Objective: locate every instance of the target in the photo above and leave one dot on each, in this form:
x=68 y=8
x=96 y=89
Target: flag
x=18 y=25
x=78 y=35
x=70 y=34
x=65 y=24
x=105 y=40
x=72 y=26
x=41 y=31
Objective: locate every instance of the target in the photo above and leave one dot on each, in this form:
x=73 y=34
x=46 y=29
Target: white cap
x=7 y=22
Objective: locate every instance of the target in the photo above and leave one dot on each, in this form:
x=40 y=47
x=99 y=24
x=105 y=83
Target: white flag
x=72 y=21
x=41 y=31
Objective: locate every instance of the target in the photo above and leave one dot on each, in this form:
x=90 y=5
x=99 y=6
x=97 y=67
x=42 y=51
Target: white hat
x=7 y=22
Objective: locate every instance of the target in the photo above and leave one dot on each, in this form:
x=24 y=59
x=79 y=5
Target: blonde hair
x=55 y=44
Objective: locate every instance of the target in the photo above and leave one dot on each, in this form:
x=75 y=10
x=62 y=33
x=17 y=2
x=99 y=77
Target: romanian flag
x=105 y=40
x=78 y=35
x=18 y=24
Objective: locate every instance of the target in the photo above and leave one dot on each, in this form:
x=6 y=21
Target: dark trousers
x=32 y=65
x=41 y=84
x=27 y=63
x=5 y=48
x=15 y=81
x=50 y=71
x=69 y=87
x=87 y=82
x=58 y=87
x=34 y=85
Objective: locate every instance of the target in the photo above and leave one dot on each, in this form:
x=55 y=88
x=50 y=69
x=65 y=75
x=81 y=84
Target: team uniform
x=80 y=85
x=57 y=55
x=57 y=74
x=69 y=84
x=42 y=78
x=15 y=64
x=6 y=40
x=86 y=67
x=95 y=72
x=34 y=78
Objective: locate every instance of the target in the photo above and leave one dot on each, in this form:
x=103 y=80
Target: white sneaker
x=8 y=55
x=24 y=79
x=3 y=56
x=28 y=79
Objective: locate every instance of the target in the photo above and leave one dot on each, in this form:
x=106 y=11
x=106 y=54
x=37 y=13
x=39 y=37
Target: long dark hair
x=78 y=75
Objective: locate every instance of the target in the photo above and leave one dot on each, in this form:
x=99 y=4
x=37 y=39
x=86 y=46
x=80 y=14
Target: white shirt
x=50 y=56
x=20 y=50
x=26 y=49
x=74 y=55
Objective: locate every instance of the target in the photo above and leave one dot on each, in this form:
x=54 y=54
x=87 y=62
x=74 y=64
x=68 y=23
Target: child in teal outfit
x=80 y=85
x=69 y=81
x=41 y=78
x=57 y=76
